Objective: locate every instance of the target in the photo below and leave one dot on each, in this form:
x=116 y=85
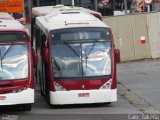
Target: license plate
x=2 y=97
x=83 y=95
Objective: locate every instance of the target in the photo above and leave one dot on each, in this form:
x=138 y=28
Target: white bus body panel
x=23 y=97
x=45 y=10
x=12 y=25
x=67 y=19
x=71 y=97
x=4 y=15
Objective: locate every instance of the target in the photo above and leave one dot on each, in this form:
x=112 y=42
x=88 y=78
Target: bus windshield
x=13 y=62
x=81 y=53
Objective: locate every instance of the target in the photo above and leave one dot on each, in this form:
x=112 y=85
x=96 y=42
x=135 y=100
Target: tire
x=27 y=107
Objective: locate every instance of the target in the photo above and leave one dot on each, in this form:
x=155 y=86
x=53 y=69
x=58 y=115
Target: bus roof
x=4 y=15
x=11 y=25
x=68 y=20
x=45 y=10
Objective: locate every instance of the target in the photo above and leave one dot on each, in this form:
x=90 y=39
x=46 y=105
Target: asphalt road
x=142 y=78
x=41 y=108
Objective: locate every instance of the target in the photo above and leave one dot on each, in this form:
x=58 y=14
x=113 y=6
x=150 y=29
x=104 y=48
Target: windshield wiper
x=1 y=58
x=71 y=49
x=86 y=55
x=56 y=64
x=5 y=53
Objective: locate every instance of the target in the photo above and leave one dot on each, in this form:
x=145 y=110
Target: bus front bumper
x=83 y=96
x=23 y=97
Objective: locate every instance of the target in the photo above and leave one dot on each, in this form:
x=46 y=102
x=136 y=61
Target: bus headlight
x=14 y=91
x=107 y=85
x=58 y=87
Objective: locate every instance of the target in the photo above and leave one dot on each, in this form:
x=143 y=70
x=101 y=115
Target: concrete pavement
x=143 y=79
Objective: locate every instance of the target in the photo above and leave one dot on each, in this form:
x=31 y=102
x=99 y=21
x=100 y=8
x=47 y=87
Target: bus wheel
x=27 y=107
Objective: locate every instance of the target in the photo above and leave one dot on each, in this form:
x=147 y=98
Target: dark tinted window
x=13 y=37
x=78 y=34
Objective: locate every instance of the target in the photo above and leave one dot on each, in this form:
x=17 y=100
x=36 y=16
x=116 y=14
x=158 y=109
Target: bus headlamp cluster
x=107 y=85
x=16 y=91
x=59 y=87
x=19 y=90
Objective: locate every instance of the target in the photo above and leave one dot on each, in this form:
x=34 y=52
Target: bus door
x=42 y=75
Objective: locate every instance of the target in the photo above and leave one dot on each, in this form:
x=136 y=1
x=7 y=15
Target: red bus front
x=16 y=69
x=81 y=66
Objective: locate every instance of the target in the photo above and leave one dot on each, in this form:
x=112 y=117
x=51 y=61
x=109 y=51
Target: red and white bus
x=78 y=58
x=5 y=16
x=16 y=64
x=45 y=10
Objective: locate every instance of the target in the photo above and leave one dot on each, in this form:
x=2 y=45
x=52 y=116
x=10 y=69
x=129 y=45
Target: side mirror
x=117 y=55
x=46 y=54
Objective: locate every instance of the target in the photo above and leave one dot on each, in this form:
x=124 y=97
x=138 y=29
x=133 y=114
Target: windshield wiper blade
x=1 y=58
x=5 y=53
x=72 y=49
x=56 y=64
x=86 y=55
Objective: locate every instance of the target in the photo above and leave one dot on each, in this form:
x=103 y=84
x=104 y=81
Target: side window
x=40 y=39
x=37 y=38
x=42 y=42
x=43 y=39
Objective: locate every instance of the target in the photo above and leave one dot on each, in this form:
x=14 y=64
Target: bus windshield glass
x=13 y=62
x=81 y=52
